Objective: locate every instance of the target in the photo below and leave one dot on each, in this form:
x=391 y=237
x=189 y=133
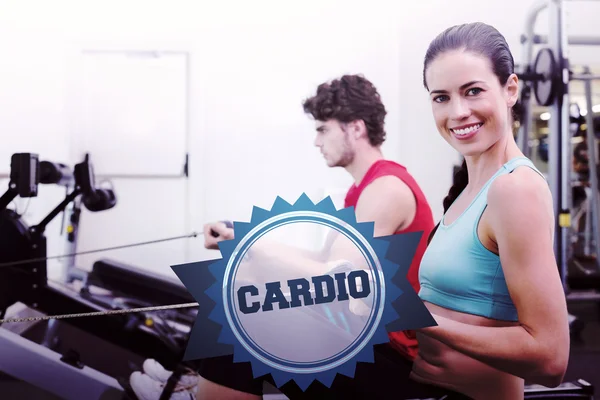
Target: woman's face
x=470 y=107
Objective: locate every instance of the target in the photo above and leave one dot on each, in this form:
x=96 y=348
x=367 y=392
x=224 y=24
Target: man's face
x=335 y=143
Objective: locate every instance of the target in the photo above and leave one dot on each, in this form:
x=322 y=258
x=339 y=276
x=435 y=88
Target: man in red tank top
x=349 y=118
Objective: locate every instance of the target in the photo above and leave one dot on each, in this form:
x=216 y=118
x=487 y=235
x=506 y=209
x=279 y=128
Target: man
x=349 y=117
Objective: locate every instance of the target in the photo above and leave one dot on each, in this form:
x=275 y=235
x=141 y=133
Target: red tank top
x=404 y=341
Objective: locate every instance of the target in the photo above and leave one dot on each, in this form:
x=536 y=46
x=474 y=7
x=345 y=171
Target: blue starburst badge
x=298 y=314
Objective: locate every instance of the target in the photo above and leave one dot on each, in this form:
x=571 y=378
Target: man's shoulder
x=389 y=189
x=388 y=172
x=389 y=202
x=386 y=184
x=386 y=179
x=383 y=168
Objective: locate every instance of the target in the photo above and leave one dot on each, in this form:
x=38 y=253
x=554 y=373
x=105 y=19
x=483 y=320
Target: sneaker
x=146 y=388
x=157 y=372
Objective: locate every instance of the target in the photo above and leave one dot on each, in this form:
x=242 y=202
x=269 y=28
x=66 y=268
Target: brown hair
x=347 y=99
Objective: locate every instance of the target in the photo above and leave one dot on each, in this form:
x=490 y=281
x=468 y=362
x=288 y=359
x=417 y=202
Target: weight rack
x=560 y=152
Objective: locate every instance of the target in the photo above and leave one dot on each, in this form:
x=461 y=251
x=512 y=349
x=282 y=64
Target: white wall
x=252 y=64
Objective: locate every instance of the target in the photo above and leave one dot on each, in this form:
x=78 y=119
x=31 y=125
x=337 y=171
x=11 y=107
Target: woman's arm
x=522 y=224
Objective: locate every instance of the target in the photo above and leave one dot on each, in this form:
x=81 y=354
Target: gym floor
x=584 y=362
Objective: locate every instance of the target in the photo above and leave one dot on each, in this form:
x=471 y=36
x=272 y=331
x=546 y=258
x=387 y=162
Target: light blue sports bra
x=457 y=272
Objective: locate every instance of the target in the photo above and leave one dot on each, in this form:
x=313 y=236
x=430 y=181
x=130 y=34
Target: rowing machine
x=27 y=282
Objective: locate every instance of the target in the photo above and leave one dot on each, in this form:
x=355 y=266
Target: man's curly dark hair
x=347 y=99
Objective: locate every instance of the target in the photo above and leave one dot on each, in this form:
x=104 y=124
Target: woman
x=489 y=276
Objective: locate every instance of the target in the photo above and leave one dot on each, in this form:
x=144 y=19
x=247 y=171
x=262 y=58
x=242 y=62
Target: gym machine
x=548 y=77
x=90 y=370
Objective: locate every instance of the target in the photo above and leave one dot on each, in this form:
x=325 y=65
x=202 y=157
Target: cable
x=26 y=207
x=32 y=260
x=92 y=314
x=99 y=313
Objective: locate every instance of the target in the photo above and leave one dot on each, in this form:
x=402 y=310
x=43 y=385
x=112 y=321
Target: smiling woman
x=489 y=275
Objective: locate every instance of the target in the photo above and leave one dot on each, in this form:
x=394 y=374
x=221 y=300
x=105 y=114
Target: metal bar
x=584 y=77
x=43 y=368
x=41 y=227
x=583 y=296
x=587 y=248
x=7 y=197
x=530 y=20
x=572 y=40
x=565 y=141
x=523 y=134
x=593 y=162
x=72 y=218
x=555 y=141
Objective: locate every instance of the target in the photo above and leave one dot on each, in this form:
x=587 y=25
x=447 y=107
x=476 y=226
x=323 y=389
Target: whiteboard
x=131 y=112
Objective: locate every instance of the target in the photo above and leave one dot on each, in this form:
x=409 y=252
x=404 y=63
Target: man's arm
x=225 y=233
x=387 y=202
x=274 y=248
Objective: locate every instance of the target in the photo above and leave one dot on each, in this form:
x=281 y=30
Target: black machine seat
x=143 y=285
